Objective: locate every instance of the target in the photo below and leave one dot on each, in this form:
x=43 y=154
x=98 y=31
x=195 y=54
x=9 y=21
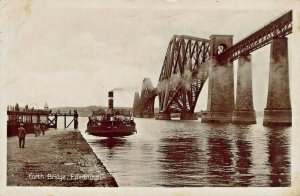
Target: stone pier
x=163 y=116
x=244 y=112
x=220 y=104
x=278 y=109
x=61 y=157
x=146 y=116
x=188 y=116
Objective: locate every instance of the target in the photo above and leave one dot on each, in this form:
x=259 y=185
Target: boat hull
x=111 y=131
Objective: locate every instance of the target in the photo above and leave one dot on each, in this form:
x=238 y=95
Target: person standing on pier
x=35 y=130
x=21 y=135
x=39 y=129
x=43 y=128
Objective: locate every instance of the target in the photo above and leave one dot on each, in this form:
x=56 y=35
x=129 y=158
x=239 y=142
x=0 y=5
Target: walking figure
x=21 y=135
x=35 y=130
x=39 y=129
x=43 y=128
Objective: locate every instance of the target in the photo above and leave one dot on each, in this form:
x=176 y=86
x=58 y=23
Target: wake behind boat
x=111 y=123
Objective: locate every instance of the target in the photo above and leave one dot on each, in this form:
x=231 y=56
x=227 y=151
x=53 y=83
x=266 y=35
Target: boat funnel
x=110 y=100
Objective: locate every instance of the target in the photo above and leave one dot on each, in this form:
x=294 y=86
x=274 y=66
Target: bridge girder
x=147 y=104
x=183 y=76
x=280 y=27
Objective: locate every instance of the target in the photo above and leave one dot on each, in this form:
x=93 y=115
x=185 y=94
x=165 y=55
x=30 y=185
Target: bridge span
x=190 y=61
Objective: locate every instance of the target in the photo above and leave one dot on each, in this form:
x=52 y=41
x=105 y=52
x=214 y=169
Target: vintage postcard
x=163 y=97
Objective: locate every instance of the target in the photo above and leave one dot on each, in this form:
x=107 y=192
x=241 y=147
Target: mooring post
x=55 y=121
x=75 y=120
x=65 y=121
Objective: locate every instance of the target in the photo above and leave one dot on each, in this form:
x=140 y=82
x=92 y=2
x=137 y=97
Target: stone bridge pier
x=244 y=112
x=278 y=109
x=163 y=116
x=220 y=104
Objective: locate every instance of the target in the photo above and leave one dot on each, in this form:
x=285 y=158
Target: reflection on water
x=179 y=160
x=191 y=153
x=220 y=159
x=112 y=142
x=244 y=159
x=279 y=160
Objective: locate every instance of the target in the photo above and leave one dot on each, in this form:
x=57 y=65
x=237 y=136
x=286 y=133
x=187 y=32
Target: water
x=190 y=153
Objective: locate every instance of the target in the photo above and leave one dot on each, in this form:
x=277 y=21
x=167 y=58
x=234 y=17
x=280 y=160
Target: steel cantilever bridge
x=190 y=61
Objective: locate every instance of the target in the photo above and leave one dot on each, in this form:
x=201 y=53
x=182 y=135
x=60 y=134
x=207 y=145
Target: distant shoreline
x=88 y=110
x=84 y=111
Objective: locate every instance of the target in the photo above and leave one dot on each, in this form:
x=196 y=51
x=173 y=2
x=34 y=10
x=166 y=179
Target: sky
x=71 y=53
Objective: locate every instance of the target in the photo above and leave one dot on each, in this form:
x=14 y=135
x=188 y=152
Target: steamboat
x=111 y=122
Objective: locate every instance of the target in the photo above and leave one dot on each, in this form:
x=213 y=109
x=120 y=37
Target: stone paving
x=58 y=158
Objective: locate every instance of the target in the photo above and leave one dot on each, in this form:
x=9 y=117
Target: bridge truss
x=144 y=106
x=183 y=74
x=186 y=63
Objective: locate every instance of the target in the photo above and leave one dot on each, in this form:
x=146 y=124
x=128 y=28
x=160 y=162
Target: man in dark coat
x=43 y=128
x=21 y=135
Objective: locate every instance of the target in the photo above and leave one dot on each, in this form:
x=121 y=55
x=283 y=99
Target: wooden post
x=47 y=119
x=75 y=120
x=65 y=118
x=55 y=121
x=38 y=119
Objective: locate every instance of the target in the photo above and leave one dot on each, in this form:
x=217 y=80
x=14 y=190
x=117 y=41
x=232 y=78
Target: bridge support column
x=188 y=116
x=278 y=110
x=244 y=112
x=220 y=102
x=163 y=116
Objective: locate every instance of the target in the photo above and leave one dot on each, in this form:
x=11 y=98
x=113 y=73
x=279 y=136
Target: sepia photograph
x=166 y=97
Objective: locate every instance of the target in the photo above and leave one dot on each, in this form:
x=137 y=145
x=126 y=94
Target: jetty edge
x=61 y=157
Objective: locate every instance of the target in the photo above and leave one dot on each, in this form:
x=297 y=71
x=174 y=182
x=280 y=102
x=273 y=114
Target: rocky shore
x=58 y=158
